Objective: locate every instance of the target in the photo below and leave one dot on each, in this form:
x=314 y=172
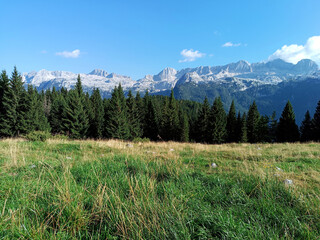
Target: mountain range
x=270 y=84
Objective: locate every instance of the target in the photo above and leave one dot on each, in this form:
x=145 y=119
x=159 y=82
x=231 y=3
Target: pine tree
x=96 y=122
x=35 y=117
x=116 y=116
x=58 y=108
x=238 y=128
x=287 y=130
x=151 y=122
x=75 y=122
x=133 y=117
x=202 y=123
x=171 y=119
x=306 y=128
x=217 y=122
x=184 y=122
x=231 y=124
x=316 y=124
x=5 y=105
x=16 y=106
x=244 y=136
x=253 y=121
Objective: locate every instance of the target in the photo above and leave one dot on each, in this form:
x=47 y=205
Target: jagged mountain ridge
x=240 y=72
x=271 y=83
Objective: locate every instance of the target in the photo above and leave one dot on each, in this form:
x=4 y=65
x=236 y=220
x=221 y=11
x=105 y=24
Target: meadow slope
x=63 y=189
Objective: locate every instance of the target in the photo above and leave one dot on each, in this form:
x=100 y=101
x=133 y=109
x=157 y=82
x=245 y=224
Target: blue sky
x=136 y=38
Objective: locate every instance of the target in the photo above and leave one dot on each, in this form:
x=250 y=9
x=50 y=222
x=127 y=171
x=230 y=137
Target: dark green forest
x=159 y=118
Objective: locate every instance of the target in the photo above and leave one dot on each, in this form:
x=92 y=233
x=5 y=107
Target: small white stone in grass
x=276 y=175
x=32 y=166
x=259 y=148
x=68 y=158
x=129 y=145
x=213 y=165
x=171 y=150
x=279 y=169
x=288 y=182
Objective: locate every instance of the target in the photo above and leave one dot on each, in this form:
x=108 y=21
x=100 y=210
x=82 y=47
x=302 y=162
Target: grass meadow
x=62 y=189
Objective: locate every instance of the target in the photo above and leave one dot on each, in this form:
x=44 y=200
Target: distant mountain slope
x=271 y=83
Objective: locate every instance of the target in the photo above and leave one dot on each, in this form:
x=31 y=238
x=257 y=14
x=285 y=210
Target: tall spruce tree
x=172 y=119
x=287 y=130
x=17 y=107
x=151 y=122
x=57 y=110
x=184 y=123
x=202 y=123
x=306 y=128
x=231 y=124
x=316 y=124
x=243 y=135
x=97 y=119
x=217 y=122
x=117 y=125
x=133 y=117
x=253 y=123
x=5 y=105
x=35 y=117
x=75 y=122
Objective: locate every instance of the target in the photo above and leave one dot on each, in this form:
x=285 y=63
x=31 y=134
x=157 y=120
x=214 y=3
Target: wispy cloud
x=44 y=52
x=230 y=44
x=190 y=55
x=66 y=54
x=294 y=53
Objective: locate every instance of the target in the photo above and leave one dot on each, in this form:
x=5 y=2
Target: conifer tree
x=316 y=124
x=231 y=124
x=244 y=136
x=218 y=122
x=16 y=106
x=264 y=131
x=97 y=119
x=133 y=117
x=253 y=121
x=117 y=119
x=75 y=122
x=58 y=108
x=171 y=119
x=306 y=128
x=184 y=122
x=140 y=110
x=238 y=128
x=5 y=105
x=151 y=122
x=36 y=119
x=202 y=123
x=287 y=130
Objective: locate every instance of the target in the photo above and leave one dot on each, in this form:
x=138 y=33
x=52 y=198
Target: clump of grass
x=104 y=190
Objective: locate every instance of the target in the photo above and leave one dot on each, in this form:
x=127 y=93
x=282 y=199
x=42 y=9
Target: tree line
x=79 y=115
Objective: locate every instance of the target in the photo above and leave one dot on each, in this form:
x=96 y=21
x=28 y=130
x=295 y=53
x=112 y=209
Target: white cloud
x=230 y=44
x=66 y=54
x=190 y=55
x=294 y=53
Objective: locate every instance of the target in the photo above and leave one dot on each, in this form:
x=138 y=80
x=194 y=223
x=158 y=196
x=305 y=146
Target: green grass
x=103 y=190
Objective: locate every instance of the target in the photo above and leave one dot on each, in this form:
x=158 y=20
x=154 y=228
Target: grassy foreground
x=107 y=190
